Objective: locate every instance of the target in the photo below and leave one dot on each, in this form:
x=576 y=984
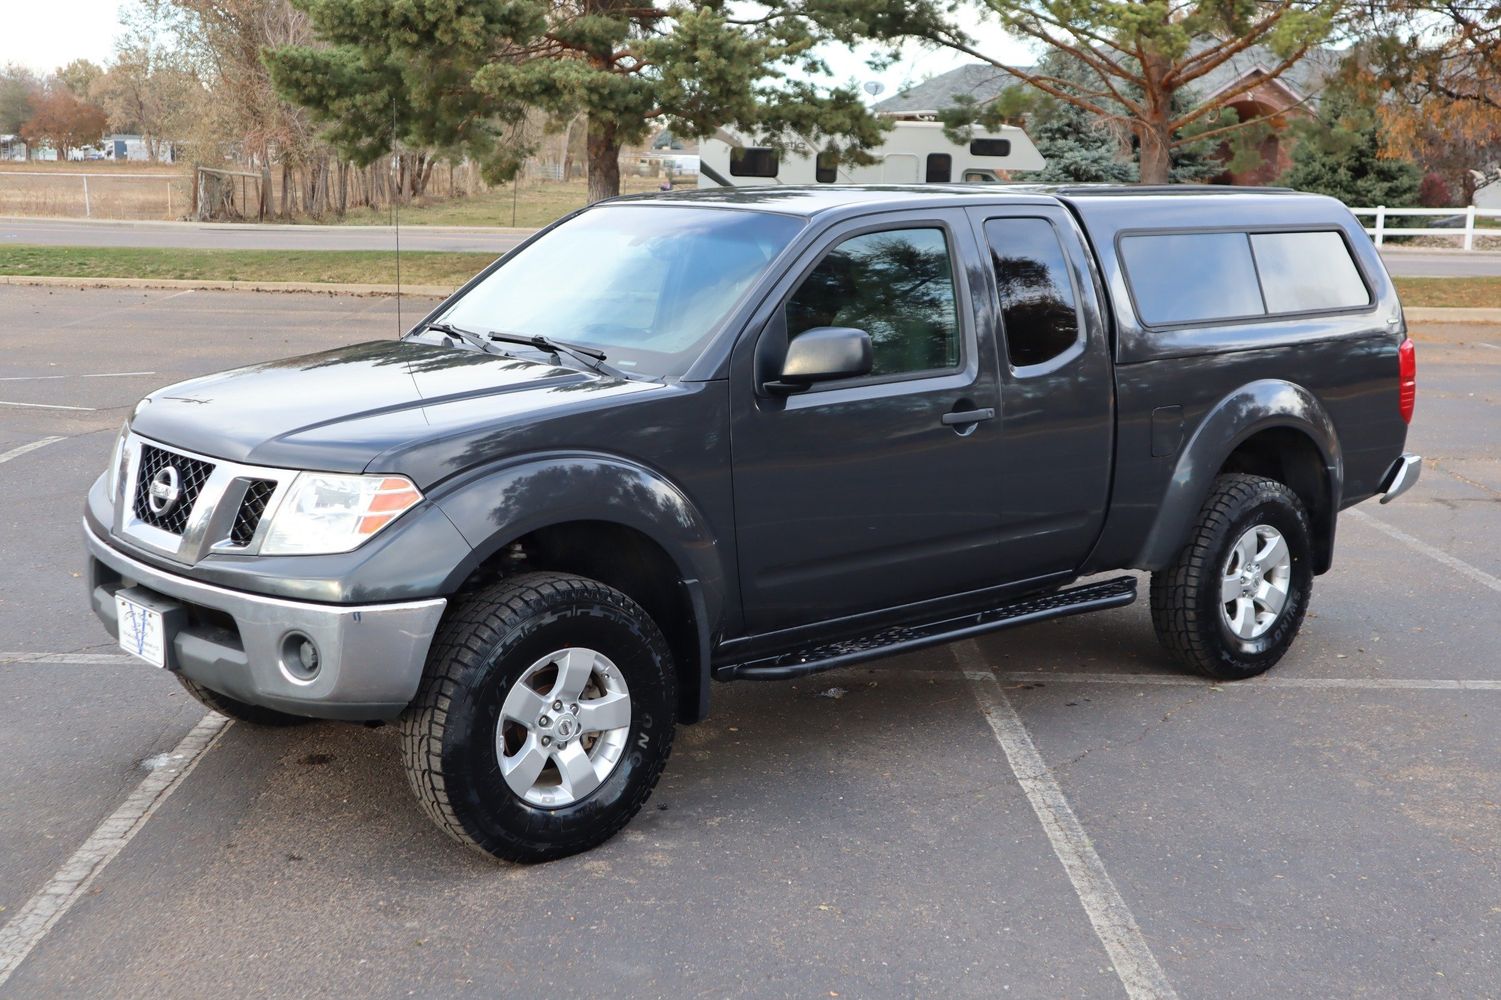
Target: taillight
x=1407 y=386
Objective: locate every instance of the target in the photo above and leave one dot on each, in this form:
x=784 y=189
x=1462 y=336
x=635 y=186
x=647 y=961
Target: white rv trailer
x=913 y=153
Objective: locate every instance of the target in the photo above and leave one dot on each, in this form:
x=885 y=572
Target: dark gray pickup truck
x=756 y=434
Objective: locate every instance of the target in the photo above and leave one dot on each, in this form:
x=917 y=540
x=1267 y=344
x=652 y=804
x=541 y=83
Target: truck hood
x=339 y=410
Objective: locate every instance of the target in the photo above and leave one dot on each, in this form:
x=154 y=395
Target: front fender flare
x=494 y=506
x=1255 y=407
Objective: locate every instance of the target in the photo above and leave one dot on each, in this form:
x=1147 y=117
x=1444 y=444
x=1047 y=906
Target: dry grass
x=1459 y=293
x=531 y=204
x=115 y=191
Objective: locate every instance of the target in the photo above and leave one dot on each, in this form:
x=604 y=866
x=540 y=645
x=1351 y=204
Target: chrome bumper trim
x=1404 y=473
x=371 y=655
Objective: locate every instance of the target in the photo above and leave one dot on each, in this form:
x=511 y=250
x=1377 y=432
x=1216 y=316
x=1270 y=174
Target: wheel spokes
x=1230 y=589
x=575 y=667
x=577 y=770
x=612 y=711
x=522 y=770
x=1274 y=552
x=523 y=705
x=1243 y=623
x=1272 y=595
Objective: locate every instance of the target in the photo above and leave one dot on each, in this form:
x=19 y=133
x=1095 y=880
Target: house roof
x=984 y=82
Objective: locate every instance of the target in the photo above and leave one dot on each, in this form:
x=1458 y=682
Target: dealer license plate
x=142 y=631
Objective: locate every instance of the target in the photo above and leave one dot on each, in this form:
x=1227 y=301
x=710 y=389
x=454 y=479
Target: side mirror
x=822 y=354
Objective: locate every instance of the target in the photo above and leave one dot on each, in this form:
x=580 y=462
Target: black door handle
x=961 y=417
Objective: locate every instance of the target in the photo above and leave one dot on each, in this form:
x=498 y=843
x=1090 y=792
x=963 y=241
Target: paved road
x=1333 y=831
x=207 y=236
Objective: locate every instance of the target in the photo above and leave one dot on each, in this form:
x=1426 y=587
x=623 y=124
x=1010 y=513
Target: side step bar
x=905 y=638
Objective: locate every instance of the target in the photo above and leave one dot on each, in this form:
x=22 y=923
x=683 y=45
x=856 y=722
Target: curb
x=191 y=284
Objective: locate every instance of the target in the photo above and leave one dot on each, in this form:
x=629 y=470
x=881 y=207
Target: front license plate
x=142 y=631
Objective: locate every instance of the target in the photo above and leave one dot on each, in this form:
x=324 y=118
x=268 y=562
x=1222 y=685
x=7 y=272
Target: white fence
x=1380 y=231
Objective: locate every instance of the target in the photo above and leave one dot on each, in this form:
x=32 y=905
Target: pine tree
x=458 y=74
x=1339 y=154
x=1078 y=148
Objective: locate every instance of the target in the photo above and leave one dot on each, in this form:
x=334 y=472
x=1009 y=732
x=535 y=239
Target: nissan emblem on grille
x=164 y=490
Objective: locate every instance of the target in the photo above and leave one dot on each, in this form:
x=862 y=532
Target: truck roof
x=813 y=200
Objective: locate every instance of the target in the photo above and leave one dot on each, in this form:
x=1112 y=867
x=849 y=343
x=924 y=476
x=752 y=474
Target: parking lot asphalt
x=1047 y=812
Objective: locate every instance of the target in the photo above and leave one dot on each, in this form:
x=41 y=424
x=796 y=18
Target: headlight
x=116 y=460
x=326 y=513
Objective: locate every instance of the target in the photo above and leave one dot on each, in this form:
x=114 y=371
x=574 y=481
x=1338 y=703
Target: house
x=1245 y=78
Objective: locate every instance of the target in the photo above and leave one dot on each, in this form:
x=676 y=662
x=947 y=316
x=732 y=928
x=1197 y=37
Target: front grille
x=191 y=475
x=257 y=495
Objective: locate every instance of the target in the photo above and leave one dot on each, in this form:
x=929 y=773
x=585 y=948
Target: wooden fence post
x=1470 y=228
x=1380 y=224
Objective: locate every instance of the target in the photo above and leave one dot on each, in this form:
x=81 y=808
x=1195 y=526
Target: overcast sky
x=46 y=34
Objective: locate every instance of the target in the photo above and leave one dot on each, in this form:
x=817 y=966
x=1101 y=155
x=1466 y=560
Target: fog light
x=300 y=659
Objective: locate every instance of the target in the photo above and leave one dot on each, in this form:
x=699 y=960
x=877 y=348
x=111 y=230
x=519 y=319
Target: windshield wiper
x=471 y=337
x=594 y=359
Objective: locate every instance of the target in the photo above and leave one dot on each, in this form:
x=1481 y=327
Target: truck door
x=870 y=492
x=1057 y=425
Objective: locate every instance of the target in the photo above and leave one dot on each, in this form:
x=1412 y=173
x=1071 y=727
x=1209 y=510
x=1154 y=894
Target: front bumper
x=370 y=656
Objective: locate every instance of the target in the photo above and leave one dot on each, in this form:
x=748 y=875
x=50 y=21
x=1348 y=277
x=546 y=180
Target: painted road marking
x=1186 y=680
x=44 y=909
x=1480 y=576
x=1117 y=929
x=80 y=658
x=1491 y=346
x=26 y=449
x=49 y=378
x=46 y=406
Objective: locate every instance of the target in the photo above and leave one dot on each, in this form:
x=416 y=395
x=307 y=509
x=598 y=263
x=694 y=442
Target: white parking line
x=49 y=378
x=1480 y=576
x=1117 y=930
x=44 y=909
x=46 y=406
x=1185 y=680
x=79 y=658
x=25 y=449
x=1491 y=346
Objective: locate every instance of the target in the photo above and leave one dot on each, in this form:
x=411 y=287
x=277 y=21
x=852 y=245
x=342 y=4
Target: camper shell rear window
x=1220 y=276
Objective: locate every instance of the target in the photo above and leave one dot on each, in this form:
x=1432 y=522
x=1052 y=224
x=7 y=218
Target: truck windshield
x=646 y=284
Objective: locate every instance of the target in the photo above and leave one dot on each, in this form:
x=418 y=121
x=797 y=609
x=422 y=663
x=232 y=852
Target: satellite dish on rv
x=874 y=87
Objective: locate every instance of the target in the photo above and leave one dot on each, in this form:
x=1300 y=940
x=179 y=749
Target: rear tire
x=544 y=719
x=238 y=710
x=1232 y=603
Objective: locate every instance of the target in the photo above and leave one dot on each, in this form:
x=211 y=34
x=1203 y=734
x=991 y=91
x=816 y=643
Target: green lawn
x=366 y=267
x=378 y=267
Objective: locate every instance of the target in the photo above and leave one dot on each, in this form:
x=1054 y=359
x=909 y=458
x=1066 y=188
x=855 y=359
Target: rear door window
x=1039 y=310
x=1191 y=277
x=1303 y=272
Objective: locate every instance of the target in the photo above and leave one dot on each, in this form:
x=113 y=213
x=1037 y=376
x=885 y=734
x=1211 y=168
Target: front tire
x=544 y=718
x=1232 y=603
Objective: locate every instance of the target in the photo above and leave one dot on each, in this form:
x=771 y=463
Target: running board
x=906 y=638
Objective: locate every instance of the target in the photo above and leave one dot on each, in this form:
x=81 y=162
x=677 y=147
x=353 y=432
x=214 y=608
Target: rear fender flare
x=1255 y=407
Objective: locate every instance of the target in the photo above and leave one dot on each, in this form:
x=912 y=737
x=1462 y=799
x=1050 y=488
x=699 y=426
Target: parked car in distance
x=753 y=434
